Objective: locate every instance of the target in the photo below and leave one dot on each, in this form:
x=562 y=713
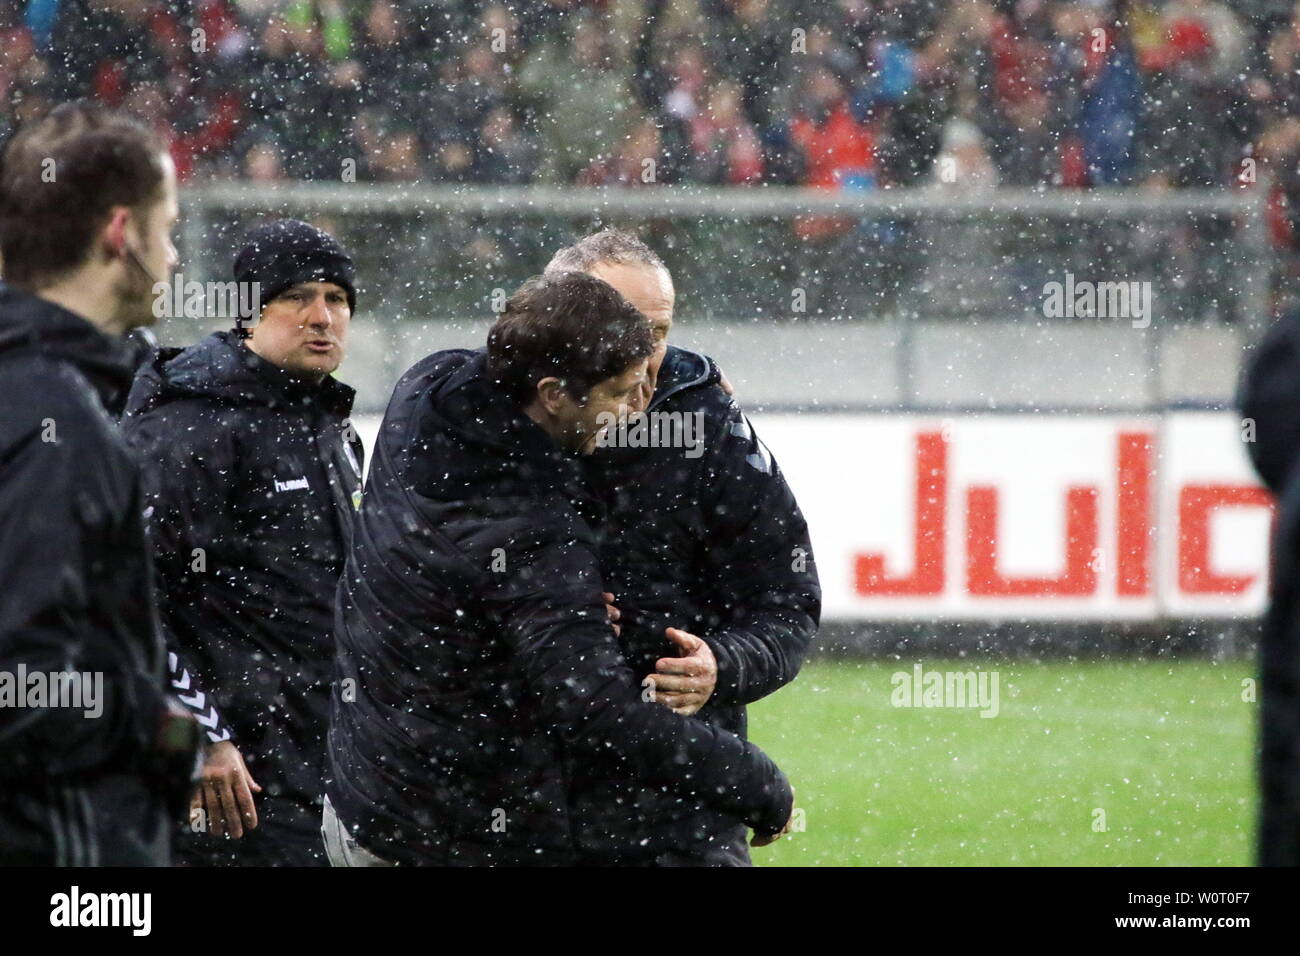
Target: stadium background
x=861 y=204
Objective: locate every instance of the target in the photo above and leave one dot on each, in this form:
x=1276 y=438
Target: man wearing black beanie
x=253 y=475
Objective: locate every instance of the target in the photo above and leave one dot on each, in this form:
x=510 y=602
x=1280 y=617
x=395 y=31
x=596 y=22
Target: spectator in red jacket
x=837 y=151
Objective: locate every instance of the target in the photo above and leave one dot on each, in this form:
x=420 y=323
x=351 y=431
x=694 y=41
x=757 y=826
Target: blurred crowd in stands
x=831 y=93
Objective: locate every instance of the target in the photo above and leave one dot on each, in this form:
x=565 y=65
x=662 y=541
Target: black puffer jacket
x=251 y=475
x=473 y=646
x=77 y=596
x=708 y=539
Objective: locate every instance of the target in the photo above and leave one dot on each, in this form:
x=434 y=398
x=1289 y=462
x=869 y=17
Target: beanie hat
x=278 y=255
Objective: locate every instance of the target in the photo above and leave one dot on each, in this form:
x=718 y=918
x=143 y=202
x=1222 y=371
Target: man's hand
x=612 y=612
x=225 y=792
x=771 y=838
x=684 y=684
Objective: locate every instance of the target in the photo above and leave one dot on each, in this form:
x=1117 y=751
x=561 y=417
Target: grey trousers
x=340 y=847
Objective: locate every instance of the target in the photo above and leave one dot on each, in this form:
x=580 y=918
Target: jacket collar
x=222 y=368
x=683 y=369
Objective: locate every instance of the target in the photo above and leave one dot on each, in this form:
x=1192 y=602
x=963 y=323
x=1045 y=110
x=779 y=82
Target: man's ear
x=248 y=324
x=114 y=234
x=552 y=396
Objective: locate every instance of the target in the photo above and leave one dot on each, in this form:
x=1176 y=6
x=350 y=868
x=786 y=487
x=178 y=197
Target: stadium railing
x=882 y=291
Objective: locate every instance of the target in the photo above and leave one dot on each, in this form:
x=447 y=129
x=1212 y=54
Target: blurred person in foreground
x=474 y=653
x=709 y=561
x=252 y=474
x=87 y=204
x=1269 y=400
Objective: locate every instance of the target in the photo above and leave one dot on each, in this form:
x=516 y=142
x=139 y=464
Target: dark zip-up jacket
x=705 y=535
x=77 y=598
x=474 y=650
x=252 y=475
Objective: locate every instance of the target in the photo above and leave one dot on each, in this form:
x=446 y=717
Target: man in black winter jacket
x=253 y=474
x=1269 y=399
x=708 y=558
x=89 y=781
x=474 y=650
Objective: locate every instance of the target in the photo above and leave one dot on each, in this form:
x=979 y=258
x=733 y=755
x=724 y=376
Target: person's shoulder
x=184 y=417
x=171 y=419
x=175 y=379
x=43 y=388
x=56 y=410
x=1276 y=354
x=434 y=371
x=442 y=360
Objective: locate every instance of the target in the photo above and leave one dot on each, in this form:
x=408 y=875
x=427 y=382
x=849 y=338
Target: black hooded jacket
x=77 y=596
x=251 y=475
x=474 y=647
x=705 y=535
x=1269 y=399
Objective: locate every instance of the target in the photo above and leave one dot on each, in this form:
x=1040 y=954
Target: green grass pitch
x=1158 y=752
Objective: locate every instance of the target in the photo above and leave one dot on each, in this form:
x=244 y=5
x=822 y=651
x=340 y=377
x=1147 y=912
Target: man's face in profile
x=616 y=397
x=153 y=255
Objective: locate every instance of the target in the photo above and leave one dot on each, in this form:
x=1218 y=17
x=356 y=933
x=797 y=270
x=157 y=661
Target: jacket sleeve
x=550 y=612
x=182 y=461
x=200 y=704
x=50 y=497
x=759 y=564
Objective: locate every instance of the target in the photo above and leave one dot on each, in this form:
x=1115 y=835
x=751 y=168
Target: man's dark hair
x=59 y=178
x=608 y=245
x=572 y=326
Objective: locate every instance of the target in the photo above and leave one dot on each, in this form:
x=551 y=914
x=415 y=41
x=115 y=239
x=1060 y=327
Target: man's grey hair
x=608 y=245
